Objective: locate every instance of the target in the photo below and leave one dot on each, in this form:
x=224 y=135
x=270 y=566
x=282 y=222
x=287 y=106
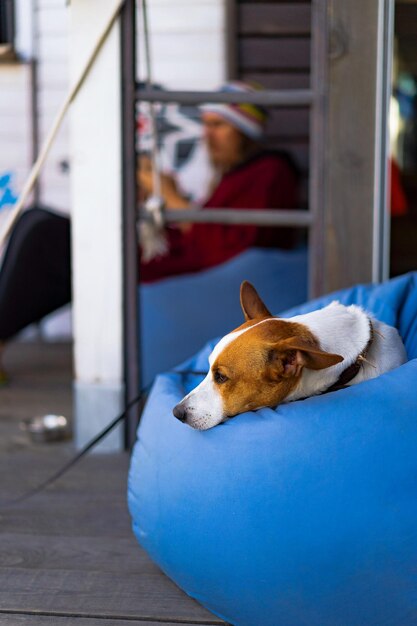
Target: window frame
x=7 y=31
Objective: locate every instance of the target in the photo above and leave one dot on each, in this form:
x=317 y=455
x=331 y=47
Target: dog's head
x=256 y=365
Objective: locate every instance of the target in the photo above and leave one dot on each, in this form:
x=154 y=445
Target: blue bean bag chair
x=176 y=314
x=301 y=516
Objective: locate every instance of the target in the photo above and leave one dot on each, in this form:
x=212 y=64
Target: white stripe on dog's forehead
x=219 y=347
x=227 y=339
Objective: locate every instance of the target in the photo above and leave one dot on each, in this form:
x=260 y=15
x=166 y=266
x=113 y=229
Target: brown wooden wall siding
x=406 y=30
x=273 y=49
x=274 y=54
x=275 y=18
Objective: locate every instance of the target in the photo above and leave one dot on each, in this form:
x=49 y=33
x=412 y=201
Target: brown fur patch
x=254 y=379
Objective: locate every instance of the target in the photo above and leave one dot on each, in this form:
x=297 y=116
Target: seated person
x=246 y=177
x=35 y=277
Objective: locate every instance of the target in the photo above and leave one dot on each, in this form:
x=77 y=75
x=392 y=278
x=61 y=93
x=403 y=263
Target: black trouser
x=35 y=277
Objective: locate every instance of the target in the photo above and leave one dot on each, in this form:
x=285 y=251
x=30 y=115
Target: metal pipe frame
x=381 y=218
x=272 y=217
x=271 y=97
x=131 y=365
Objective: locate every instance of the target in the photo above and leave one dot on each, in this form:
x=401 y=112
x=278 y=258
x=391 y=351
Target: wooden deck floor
x=68 y=556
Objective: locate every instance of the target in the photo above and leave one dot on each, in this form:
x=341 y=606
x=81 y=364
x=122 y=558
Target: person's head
x=232 y=131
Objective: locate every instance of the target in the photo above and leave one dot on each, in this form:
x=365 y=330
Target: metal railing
x=313 y=219
x=268 y=217
x=270 y=97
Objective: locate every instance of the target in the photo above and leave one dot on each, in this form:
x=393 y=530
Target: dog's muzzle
x=202 y=408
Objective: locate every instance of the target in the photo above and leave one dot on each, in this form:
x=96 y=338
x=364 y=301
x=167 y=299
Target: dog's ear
x=251 y=303
x=289 y=357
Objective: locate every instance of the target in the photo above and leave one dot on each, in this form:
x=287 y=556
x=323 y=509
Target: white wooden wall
x=97 y=224
x=42 y=31
x=15 y=103
x=188 y=43
x=15 y=122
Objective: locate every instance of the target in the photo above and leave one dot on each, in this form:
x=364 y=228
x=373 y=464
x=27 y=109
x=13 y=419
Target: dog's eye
x=219 y=378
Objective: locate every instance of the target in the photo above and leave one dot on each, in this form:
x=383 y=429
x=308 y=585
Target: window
x=7 y=29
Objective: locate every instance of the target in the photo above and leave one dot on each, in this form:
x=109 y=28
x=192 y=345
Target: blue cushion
x=178 y=315
x=306 y=514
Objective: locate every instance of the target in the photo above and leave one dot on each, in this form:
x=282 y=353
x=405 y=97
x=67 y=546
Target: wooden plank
x=86 y=568
x=52 y=78
x=404 y=243
x=56 y=195
x=273 y=80
x=100 y=482
x=53 y=46
x=407 y=51
x=13 y=143
x=40 y=382
x=15 y=130
x=275 y=1
x=75 y=542
x=53 y=20
x=204 y=17
x=15 y=104
x=274 y=19
x=50 y=4
x=275 y=53
x=13 y=77
x=30 y=619
x=108 y=575
x=95 y=593
x=69 y=555
x=405 y=19
x=288 y=122
x=87 y=514
x=351 y=144
x=72 y=553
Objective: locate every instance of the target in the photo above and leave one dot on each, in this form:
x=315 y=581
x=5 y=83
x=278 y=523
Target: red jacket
x=266 y=181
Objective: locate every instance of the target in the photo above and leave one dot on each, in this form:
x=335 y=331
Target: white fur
x=221 y=345
x=339 y=329
x=204 y=405
x=345 y=330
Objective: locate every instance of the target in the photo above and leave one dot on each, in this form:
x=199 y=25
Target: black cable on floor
x=91 y=444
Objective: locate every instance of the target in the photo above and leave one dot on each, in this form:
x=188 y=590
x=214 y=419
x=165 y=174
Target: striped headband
x=250 y=119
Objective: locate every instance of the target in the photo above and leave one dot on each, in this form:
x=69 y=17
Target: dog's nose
x=179 y=412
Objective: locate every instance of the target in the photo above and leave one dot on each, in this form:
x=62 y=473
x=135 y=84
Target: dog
x=268 y=360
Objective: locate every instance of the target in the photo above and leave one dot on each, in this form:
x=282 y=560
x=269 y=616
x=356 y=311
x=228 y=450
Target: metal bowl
x=45 y=428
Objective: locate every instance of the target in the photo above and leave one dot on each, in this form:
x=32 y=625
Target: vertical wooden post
x=352 y=153
x=97 y=234
x=231 y=36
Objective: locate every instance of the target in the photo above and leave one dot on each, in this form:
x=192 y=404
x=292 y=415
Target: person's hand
x=144 y=177
x=169 y=189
